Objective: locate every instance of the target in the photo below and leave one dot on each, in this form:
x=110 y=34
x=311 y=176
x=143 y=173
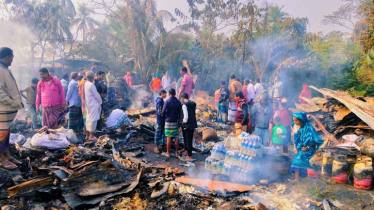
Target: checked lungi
x=6 y=121
x=75 y=118
x=232 y=111
x=160 y=135
x=51 y=115
x=222 y=113
x=171 y=129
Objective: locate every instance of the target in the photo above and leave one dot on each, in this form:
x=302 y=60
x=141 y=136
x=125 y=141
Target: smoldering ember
x=186 y=104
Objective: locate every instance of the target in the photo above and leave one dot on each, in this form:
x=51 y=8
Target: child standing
x=279 y=135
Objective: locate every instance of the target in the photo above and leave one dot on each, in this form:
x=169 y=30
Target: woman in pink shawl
x=305 y=93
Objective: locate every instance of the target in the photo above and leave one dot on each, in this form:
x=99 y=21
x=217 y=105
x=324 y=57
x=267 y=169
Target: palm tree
x=84 y=22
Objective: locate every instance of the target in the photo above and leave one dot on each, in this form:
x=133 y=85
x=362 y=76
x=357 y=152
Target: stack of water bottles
x=251 y=145
x=235 y=156
x=215 y=162
x=218 y=151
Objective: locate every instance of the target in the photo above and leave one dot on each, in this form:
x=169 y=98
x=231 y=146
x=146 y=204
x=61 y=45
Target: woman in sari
x=305 y=93
x=307 y=142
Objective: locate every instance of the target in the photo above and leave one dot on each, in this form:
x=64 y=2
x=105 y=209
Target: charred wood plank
x=30 y=186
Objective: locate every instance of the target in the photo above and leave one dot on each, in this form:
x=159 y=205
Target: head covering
x=157 y=74
x=306 y=136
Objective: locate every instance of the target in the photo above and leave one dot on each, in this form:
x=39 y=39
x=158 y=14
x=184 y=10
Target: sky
x=314 y=10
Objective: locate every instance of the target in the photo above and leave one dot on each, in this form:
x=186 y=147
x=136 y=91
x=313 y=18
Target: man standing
x=128 y=79
x=166 y=81
x=223 y=103
x=187 y=85
x=171 y=111
x=101 y=87
x=51 y=96
x=241 y=116
x=235 y=86
x=94 y=67
x=261 y=115
x=155 y=86
x=160 y=131
x=189 y=123
x=258 y=90
x=250 y=94
x=74 y=102
x=30 y=101
x=65 y=82
x=110 y=79
x=10 y=103
x=93 y=105
x=277 y=89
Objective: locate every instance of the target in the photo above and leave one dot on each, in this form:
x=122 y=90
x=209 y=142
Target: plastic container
x=327 y=162
x=363 y=173
x=340 y=169
x=312 y=173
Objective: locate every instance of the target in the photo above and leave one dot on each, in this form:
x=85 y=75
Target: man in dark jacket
x=171 y=112
x=223 y=103
x=188 y=123
x=160 y=131
x=102 y=89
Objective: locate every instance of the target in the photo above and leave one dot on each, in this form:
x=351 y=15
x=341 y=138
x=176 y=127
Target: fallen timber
x=363 y=110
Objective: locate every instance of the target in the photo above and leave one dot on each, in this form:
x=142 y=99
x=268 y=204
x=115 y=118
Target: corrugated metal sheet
x=361 y=109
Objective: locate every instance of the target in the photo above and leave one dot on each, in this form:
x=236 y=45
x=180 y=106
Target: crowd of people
x=252 y=106
x=264 y=111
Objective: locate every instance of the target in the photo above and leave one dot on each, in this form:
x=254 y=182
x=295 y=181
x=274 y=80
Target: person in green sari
x=278 y=135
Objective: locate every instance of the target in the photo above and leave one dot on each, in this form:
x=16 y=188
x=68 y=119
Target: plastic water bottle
x=247 y=146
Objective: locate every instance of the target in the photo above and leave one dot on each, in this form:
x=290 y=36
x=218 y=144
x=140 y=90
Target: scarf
x=306 y=135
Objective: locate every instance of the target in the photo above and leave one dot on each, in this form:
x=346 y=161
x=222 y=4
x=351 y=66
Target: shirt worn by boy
x=278 y=135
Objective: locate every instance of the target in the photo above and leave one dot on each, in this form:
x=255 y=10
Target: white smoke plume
x=18 y=38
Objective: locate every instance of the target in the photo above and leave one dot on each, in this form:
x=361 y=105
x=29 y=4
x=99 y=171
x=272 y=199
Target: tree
x=344 y=16
x=84 y=22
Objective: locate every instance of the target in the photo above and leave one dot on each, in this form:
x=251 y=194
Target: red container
x=363 y=173
x=363 y=184
x=312 y=173
x=341 y=178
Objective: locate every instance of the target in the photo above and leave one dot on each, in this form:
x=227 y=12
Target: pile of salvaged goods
x=241 y=157
x=346 y=124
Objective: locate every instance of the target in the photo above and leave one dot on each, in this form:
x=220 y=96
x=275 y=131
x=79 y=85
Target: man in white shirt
x=251 y=93
x=93 y=105
x=166 y=81
x=258 y=90
x=117 y=119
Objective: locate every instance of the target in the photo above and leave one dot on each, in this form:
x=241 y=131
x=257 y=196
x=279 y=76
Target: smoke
x=18 y=38
x=140 y=96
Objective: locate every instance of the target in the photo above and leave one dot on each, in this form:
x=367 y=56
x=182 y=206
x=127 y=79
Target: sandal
x=15 y=161
x=8 y=165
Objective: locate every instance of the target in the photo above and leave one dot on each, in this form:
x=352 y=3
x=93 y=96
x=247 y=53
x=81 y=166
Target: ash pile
x=346 y=123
